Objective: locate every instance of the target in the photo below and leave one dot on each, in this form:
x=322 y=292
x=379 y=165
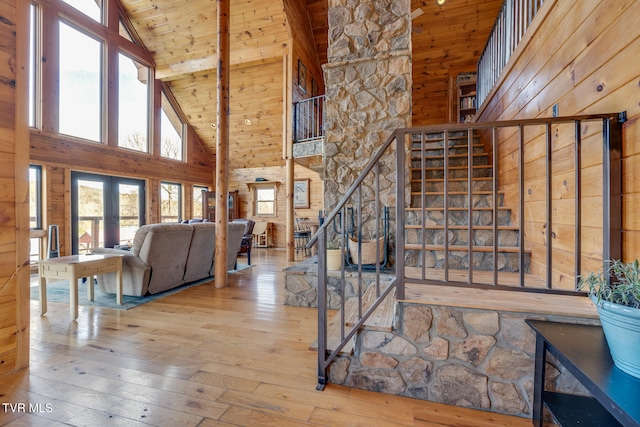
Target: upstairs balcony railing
x=308 y=119
x=511 y=24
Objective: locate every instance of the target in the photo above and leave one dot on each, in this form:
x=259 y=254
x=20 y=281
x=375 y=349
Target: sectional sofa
x=165 y=256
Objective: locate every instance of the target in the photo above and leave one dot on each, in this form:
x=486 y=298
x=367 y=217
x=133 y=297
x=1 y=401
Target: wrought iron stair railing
x=385 y=185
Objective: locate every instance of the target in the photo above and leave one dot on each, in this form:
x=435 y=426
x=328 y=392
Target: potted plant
x=334 y=256
x=616 y=294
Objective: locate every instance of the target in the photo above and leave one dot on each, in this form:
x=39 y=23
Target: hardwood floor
x=202 y=357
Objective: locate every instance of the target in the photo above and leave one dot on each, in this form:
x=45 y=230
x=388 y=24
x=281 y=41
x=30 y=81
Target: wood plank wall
x=304 y=50
x=14 y=194
x=239 y=178
x=583 y=58
x=446 y=41
x=59 y=156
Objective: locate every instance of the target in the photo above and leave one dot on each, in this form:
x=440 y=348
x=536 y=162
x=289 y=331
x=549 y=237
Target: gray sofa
x=165 y=256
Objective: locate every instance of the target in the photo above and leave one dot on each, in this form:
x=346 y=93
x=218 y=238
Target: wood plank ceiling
x=446 y=40
x=180 y=36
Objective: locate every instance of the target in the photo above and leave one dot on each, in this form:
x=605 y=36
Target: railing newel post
x=322 y=308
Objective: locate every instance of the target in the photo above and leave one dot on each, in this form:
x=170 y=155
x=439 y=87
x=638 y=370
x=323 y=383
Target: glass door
x=106 y=210
x=130 y=212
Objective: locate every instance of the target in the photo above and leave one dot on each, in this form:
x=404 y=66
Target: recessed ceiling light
x=440 y=2
x=247 y=122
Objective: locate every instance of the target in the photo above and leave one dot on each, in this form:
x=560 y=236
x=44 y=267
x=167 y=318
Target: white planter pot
x=621 y=327
x=334 y=259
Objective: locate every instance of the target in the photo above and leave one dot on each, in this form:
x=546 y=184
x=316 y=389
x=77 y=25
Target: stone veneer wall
x=476 y=358
x=480 y=359
x=301 y=285
x=368 y=89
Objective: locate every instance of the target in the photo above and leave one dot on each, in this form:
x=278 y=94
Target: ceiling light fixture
x=441 y=2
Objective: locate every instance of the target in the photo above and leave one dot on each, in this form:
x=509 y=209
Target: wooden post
x=222 y=146
x=22 y=136
x=287 y=152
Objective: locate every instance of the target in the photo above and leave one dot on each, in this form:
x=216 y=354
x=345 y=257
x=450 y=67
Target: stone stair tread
x=462 y=227
x=433 y=137
x=451 y=147
x=451 y=156
x=458 y=167
x=464 y=248
x=432 y=180
x=459 y=208
x=455 y=193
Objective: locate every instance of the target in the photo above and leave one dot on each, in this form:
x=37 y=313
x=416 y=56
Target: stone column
x=368 y=90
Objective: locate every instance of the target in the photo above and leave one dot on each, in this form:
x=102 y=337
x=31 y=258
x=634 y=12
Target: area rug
x=58 y=291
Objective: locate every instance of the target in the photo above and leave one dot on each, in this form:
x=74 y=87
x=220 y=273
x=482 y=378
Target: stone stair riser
x=483 y=261
x=453 y=161
x=457 y=201
x=436 y=217
x=477 y=185
x=460 y=237
x=453 y=173
x=439 y=137
x=439 y=151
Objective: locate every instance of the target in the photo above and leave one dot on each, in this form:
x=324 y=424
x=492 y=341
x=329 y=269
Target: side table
x=75 y=267
x=583 y=351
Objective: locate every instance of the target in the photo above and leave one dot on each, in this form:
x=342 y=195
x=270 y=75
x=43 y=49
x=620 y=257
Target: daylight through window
x=80 y=88
x=170 y=202
x=133 y=105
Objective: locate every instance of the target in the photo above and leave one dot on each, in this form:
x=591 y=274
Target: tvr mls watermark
x=30 y=408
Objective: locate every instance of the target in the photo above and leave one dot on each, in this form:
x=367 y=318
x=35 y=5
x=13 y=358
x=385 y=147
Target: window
x=80 y=88
x=265 y=197
x=91 y=8
x=196 y=206
x=35 y=197
x=170 y=202
x=133 y=104
x=124 y=32
x=94 y=94
x=171 y=144
x=35 y=212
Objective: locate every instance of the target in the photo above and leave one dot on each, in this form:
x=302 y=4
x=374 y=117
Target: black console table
x=583 y=351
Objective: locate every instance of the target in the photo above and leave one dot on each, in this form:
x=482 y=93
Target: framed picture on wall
x=301 y=193
x=302 y=76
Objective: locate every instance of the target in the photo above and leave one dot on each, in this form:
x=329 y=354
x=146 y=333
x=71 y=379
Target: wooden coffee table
x=75 y=267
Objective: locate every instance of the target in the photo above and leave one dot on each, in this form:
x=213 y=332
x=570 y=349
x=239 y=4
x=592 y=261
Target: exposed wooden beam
x=241 y=57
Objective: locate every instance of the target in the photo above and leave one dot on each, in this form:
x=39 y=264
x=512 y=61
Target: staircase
x=452 y=228
x=425 y=229
x=429 y=231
